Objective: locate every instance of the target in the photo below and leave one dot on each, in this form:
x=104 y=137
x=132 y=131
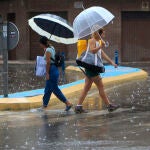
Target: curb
x=72 y=93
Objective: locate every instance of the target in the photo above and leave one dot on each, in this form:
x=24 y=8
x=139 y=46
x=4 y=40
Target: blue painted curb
x=110 y=72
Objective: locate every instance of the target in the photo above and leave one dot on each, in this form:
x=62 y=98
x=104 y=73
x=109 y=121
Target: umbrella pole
x=93 y=27
x=52 y=31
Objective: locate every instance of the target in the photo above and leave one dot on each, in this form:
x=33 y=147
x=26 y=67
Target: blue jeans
x=52 y=87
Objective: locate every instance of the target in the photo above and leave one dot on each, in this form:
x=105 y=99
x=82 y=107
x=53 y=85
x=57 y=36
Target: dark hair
x=101 y=31
x=45 y=41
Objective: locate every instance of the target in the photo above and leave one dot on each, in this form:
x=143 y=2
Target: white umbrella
x=91 y=20
x=53 y=27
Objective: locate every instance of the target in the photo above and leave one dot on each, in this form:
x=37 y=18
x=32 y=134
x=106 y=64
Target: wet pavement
x=126 y=129
x=122 y=130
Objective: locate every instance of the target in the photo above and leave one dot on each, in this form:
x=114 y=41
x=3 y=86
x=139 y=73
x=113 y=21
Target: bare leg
x=98 y=81
x=87 y=86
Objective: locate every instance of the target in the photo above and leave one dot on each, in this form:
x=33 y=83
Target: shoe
x=68 y=107
x=112 y=107
x=42 y=108
x=79 y=110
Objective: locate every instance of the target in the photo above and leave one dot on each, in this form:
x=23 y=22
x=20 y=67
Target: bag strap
x=97 y=44
x=87 y=50
x=52 y=59
x=83 y=71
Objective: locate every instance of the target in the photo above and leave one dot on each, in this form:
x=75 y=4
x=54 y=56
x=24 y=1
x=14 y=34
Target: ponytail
x=45 y=41
x=49 y=43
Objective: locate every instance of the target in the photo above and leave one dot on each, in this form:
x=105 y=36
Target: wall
x=23 y=8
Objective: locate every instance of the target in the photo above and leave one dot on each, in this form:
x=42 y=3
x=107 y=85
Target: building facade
x=128 y=33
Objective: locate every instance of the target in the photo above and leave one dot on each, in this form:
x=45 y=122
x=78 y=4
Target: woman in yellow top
x=94 y=76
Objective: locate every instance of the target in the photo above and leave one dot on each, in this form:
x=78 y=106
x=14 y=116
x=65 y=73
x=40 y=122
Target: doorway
x=135 y=36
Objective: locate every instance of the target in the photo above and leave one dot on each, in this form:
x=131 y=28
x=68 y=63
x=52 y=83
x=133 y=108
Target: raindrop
x=134 y=117
x=132 y=96
x=49 y=125
x=7 y=137
x=128 y=99
x=76 y=130
x=140 y=124
x=147 y=130
x=22 y=147
x=66 y=123
x=124 y=137
x=6 y=146
x=33 y=148
x=133 y=132
x=131 y=121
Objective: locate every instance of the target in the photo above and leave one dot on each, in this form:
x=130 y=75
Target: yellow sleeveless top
x=82 y=46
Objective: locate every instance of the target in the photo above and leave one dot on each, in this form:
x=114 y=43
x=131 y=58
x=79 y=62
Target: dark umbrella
x=53 y=27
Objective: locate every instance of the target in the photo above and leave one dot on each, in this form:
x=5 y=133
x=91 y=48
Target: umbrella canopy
x=91 y=20
x=53 y=27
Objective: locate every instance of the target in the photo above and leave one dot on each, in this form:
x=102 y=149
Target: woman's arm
x=102 y=43
x=93 y=47
x=106 y=57
x=48 y=62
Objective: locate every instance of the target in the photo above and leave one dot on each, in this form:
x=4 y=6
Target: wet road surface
x=126 y=129
x=55 y=130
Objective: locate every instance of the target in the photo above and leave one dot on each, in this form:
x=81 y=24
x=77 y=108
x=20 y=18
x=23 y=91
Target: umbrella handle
x=83 y=7
x=102 y=40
